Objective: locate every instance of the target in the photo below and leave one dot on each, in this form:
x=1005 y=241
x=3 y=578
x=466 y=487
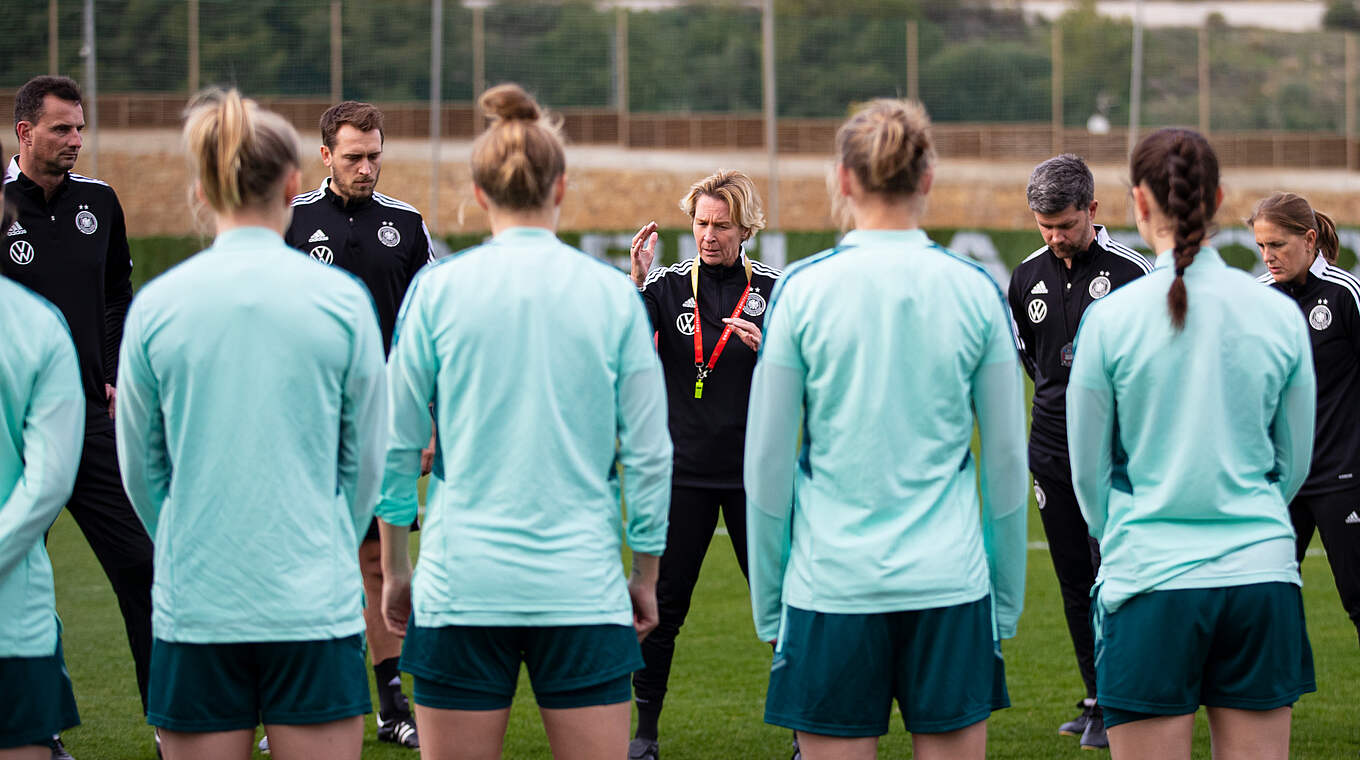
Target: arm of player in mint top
x=1090 y=427
x=998 y=402
x=1295 y=417
x=143 y=454
x=772 y=422
x=117 y=291
x=410 y=388
x=363 y=417
x=644 y=441
x=52 y=433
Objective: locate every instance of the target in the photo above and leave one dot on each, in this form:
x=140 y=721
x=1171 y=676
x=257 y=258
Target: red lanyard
x=699 y=365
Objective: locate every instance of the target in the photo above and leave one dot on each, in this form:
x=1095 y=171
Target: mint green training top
x=251 y=407
x=42 y=427
x=1188 y=445
x=539 y=362
x=889 y=347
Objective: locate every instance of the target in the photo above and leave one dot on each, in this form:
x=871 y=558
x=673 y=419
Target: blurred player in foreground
x=1190 y=424
x=42 y=423
x=889 y=348
x=251 y=349
x=549 y=402
x=707 y=313
x=1299 y=245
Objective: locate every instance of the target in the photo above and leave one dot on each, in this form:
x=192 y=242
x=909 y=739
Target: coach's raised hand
x=643 y=252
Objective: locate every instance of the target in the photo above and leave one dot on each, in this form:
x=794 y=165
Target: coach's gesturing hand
x=643 y=252
x=642 y=590
x=747 y=331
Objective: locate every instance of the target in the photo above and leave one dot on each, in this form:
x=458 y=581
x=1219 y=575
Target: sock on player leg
x=390 y=699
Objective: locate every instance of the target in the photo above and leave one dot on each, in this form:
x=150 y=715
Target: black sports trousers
x=119 y=541
x=1076 y=556
x=1336 y=516
x=693 y=517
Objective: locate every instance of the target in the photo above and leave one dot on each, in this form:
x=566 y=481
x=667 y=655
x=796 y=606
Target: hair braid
x=1180 y=170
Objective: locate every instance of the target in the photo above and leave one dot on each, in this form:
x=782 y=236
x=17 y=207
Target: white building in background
x=1286 y=16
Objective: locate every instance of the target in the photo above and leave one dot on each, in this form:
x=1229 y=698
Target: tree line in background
x=975 y=62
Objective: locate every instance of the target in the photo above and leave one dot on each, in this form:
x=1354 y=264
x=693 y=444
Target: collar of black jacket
x=720 y=272
x=345 y=204
x=35 y=191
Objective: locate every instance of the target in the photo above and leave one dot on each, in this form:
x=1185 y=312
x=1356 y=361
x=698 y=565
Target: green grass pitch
x=715 y=705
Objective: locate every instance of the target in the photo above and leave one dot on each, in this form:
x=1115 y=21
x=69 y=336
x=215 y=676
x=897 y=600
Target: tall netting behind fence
x=690 y=74
x=1270 y=81
x=696 y=59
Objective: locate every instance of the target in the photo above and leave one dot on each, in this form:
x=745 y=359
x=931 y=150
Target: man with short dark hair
x=68 y=243
x=1048 y=293
x=347 y=223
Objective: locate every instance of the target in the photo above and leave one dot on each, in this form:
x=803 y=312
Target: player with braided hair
x=1197 y=601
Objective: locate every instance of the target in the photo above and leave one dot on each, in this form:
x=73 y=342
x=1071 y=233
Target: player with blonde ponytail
x=538 y=361
x=870 y=568
x=1190 y=426
x=251 y=349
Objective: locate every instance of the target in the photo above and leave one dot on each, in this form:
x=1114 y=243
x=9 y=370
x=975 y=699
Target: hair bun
x=509 y=102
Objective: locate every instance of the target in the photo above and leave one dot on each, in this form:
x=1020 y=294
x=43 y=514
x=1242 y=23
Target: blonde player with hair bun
x=870 y=568
x=538 y=360
x=251 y=401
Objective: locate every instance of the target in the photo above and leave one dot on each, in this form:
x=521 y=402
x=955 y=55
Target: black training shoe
x=1094 y=736
x=1077 y=726
x=399 y=730
x=644 y=749
x=59 y=750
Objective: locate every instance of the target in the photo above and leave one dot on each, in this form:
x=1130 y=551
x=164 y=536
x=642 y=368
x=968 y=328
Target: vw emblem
x=21 y=252
x=1037 y=310
x=685 y=323
x=323 y=254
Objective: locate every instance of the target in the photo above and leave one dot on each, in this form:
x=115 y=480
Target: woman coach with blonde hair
x=707 y=314
x=538 y=361
x=251 y=349
x=870 y=568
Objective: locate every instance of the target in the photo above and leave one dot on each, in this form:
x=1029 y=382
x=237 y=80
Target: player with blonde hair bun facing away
x=249 y=348
x=549 y=406
x=870 y=568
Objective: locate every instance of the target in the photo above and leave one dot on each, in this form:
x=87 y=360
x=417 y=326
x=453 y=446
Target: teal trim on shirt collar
x=525 y=233
x=1208 y=256
x=248 y=237
x=870 y=237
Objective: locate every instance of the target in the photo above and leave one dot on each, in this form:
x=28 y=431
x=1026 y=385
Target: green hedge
x=153 y=255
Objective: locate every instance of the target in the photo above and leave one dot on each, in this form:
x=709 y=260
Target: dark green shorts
x=1168 y=652
x=226 y=687
x=477 y=667
x=39 y=702
x=838 y=675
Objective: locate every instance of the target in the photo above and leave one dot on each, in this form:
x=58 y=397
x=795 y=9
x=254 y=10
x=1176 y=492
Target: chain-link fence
x=616 y=67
